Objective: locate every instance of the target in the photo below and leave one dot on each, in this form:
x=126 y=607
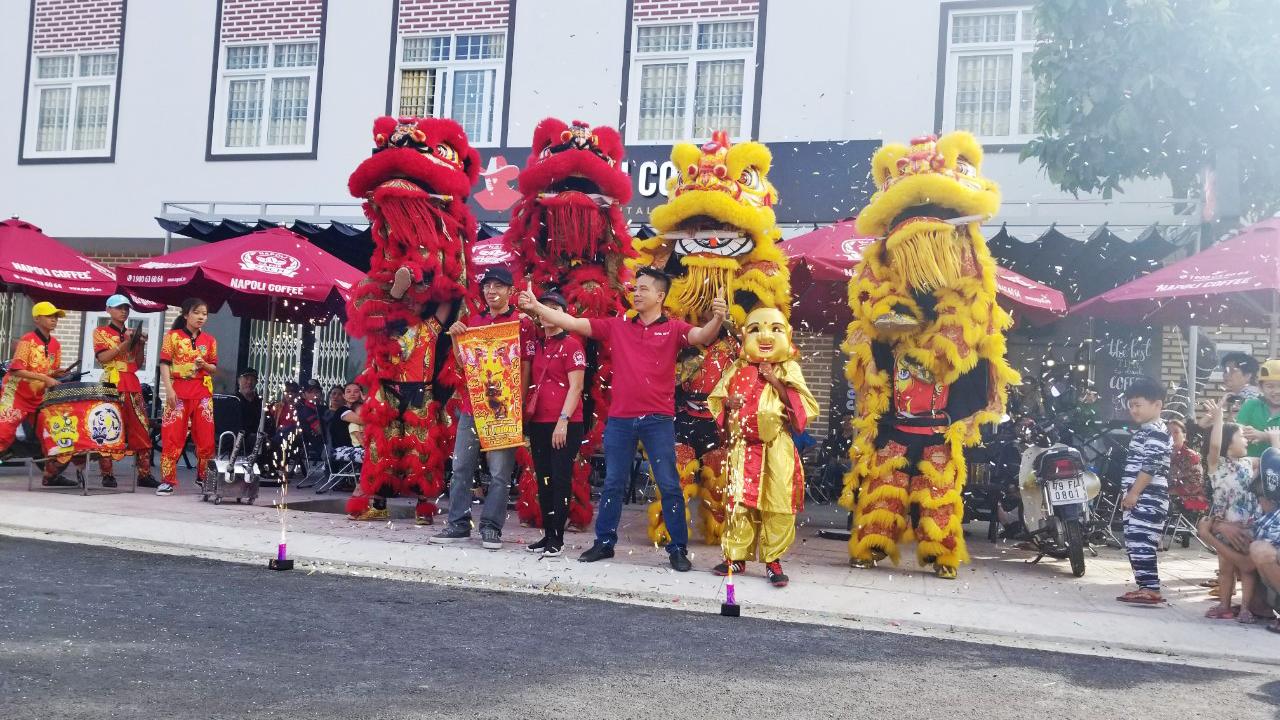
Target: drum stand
x=81 y=477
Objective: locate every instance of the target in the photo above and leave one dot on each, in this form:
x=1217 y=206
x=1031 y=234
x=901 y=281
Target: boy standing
x=119 y=348
x=1146 y=489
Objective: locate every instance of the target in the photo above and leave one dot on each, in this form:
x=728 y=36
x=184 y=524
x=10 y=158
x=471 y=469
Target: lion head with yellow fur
x=929 y=197
x=717 y=233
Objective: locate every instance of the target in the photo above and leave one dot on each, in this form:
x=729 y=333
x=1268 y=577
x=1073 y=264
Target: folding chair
x=338 y=471
x=315 y=464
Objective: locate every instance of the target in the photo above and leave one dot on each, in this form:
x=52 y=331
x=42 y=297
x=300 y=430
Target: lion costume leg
x=936 y=493
x=883 y=500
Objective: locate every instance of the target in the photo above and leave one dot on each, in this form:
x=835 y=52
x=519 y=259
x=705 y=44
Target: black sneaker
x=164 y=489
x=108 y=481
x=490 y=538
x=552 y=551
x=147 y=481
x=680 y=560
x=451 y=534
x=596 y=552
x=59 y=481
x=739 y=567
x=538 y=546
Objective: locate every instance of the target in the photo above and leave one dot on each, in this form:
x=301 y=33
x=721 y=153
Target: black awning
x=1082 y=268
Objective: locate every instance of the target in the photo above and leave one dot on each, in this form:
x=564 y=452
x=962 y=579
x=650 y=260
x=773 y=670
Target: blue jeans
x=658 y=434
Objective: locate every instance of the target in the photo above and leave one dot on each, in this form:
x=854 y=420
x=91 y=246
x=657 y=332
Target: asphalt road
x=89 y=632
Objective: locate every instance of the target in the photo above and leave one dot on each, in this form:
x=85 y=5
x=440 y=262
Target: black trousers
x=554 y=469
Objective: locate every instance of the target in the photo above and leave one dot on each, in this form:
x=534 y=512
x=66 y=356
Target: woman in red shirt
x=555 y=424
x=188 y=359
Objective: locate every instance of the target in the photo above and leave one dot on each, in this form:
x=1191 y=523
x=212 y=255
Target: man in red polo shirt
x=495 y=285
x=643 y=404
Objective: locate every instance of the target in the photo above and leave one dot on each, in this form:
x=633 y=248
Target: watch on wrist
x=564 y=417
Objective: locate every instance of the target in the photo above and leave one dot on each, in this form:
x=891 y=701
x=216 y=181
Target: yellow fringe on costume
x=705 y=279
x=927 y=255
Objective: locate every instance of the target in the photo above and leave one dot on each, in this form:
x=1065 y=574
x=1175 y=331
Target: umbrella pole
x=1275 y=324
x=281 y=560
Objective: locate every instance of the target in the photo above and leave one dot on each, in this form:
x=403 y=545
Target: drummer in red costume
x=188 y=359
x=34 y=369
x=118 y=349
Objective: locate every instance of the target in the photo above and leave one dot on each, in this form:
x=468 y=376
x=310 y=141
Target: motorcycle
x=1056 y=491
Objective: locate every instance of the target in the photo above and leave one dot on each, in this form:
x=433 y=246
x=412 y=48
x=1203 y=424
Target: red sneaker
x=773 y=571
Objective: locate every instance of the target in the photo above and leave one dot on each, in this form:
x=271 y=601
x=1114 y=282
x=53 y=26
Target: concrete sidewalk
x=999 y=598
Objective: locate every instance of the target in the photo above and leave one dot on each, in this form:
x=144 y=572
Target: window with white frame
x=266 y=97
x=71 y=105
x=690 y=79
x=990 y=90
x=457 y=76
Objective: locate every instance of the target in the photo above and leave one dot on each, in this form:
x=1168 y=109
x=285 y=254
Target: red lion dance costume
x=415 y=188
x=570 y=233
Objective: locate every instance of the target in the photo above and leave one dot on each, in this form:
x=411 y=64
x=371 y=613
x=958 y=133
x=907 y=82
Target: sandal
x=1246 y=617
x=1217 y=612
x=1143 y=597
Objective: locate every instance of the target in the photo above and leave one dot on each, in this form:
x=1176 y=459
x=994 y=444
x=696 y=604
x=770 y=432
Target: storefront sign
x=817 y=182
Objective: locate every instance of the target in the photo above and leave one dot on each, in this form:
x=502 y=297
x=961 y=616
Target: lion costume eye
x=445 y=151
x=750 y=178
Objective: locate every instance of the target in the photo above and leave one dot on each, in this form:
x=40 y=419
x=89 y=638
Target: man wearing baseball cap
x=119 y=351
x=495 y=287
x=34 y=369
x=1259 y=413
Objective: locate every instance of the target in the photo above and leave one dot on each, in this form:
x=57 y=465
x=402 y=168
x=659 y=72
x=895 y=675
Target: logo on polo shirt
x=530 y=348
x=579 y=358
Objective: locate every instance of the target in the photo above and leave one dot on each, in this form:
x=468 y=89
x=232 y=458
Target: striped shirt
x=1268 y=528
x=1149 y=451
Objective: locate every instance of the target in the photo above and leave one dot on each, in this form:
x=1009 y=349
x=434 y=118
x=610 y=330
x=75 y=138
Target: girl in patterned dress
x=1234 y=506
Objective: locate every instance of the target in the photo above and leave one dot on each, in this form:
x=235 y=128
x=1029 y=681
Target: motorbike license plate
x=1067 y=492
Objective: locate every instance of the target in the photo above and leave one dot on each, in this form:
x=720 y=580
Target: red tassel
x=576 y=227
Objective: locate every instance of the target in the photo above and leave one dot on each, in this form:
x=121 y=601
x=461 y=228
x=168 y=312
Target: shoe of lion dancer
x=739 y=567
x=773 y=571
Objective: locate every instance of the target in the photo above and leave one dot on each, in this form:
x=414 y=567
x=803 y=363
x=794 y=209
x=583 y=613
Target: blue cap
x=117 y=300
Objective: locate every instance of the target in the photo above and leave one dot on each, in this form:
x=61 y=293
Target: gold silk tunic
x=764 y=467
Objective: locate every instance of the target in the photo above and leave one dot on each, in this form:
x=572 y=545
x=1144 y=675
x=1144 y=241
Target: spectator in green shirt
x=1260 y=413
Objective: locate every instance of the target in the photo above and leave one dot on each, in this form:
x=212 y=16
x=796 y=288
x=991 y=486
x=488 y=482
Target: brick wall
x=248 y=20
x=819 y=359
x=419 y=17
x=70 y=25
x=658 y=10
x=1174 y=353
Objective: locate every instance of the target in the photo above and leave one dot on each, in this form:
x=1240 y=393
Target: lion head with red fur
x=569 y=227
x=415 y=186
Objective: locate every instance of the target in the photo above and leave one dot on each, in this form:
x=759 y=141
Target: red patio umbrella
x=267 y=275
x=1235 y=281
x=48 y=270
x=822 y=262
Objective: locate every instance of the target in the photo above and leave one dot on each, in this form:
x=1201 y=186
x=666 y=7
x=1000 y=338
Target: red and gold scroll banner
x=491 y=369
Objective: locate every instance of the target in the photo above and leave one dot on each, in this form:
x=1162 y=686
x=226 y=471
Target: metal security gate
x=329 y=354
x=281 y=358
x=274 y=351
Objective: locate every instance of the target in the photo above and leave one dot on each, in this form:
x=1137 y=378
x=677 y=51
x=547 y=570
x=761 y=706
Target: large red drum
x=81 y=417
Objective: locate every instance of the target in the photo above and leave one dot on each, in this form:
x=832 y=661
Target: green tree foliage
x=1129 y=89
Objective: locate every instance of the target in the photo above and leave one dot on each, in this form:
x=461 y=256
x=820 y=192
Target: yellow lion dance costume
x=716 y=237
x=926 y=350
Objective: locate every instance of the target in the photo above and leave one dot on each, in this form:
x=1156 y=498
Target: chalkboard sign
x=1121 y=355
